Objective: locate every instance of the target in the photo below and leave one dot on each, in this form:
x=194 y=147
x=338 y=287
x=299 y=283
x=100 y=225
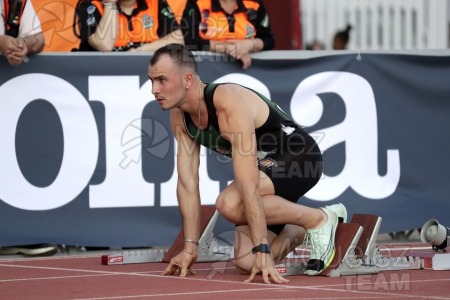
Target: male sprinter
x=264 y=144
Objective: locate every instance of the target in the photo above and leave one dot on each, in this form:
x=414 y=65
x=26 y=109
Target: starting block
x=356 y=250
x=363 y=255
x=209 y=249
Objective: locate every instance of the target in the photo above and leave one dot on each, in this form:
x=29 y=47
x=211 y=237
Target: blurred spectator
x=56 y=18
x=187 y=16
x=234 y=27
x=315 y=45
x=123 y=25
x=20 y=31
x=30 y=250
x=341 y=38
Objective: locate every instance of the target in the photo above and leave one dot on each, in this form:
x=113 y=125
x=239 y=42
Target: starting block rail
x=134 y=257
x=208 y=248
x=432 y=259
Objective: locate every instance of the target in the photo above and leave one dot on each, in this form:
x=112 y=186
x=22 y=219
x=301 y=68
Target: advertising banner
x=87 y=156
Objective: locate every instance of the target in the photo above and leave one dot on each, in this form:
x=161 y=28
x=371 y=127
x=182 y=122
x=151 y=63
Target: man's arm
x=173 y=37
x=237 y=124
x=188 y=194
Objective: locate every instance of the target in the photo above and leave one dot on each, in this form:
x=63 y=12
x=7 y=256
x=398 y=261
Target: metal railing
x=378 y=24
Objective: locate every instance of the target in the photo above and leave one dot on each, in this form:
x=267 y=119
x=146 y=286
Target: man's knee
x=229 y=209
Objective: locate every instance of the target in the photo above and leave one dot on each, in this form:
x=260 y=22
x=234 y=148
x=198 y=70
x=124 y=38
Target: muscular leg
x=288 y=239
x=277 y=209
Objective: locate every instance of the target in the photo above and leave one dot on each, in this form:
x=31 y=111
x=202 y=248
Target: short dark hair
x=180 y=55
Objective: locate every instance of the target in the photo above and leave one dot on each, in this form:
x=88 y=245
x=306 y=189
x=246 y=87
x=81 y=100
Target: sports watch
x=263 y=248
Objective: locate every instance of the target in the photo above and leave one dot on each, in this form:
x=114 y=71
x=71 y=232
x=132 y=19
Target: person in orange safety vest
x=234 y=27
x=126 y=25
x=20 y=31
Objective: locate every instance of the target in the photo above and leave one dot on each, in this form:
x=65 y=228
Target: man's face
x=167 y=82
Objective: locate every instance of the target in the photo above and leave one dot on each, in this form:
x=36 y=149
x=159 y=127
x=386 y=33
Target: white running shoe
x=321 y=241
x=340 y=211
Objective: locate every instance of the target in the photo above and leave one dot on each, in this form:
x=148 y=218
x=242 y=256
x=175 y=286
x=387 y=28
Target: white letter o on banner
x=80 y=142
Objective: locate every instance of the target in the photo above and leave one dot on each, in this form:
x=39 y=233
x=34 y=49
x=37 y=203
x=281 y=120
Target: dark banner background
x=412 y=96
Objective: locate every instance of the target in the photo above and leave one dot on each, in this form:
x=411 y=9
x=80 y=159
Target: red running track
x=84 y=277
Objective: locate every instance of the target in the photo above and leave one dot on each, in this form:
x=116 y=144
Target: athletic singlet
x=286 y=154
x=278 y=125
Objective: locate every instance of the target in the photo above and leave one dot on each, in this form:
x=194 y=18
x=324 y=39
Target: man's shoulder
x=229 y=96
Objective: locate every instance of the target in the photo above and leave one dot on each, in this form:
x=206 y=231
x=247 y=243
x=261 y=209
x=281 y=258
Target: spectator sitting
x=234 y=27
x=20 y=31
x=136 y=25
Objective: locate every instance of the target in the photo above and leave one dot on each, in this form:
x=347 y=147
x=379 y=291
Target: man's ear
x=188 y=80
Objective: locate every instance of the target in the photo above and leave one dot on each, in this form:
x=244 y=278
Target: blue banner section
x=87 y=156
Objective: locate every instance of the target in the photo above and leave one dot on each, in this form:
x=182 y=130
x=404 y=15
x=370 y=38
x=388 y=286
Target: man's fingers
x=170 y=270
x=252 y=276
x=277 y=278
x=265 y=276
x=167 y=271
x=183 y=272
x=180 y=265
x=173 y=268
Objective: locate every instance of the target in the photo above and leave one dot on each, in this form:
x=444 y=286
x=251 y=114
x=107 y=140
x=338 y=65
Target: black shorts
x=294 y=168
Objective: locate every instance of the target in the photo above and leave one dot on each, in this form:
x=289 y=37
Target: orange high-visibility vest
x=144 y=25
x=57 y=24
x=215 y=25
